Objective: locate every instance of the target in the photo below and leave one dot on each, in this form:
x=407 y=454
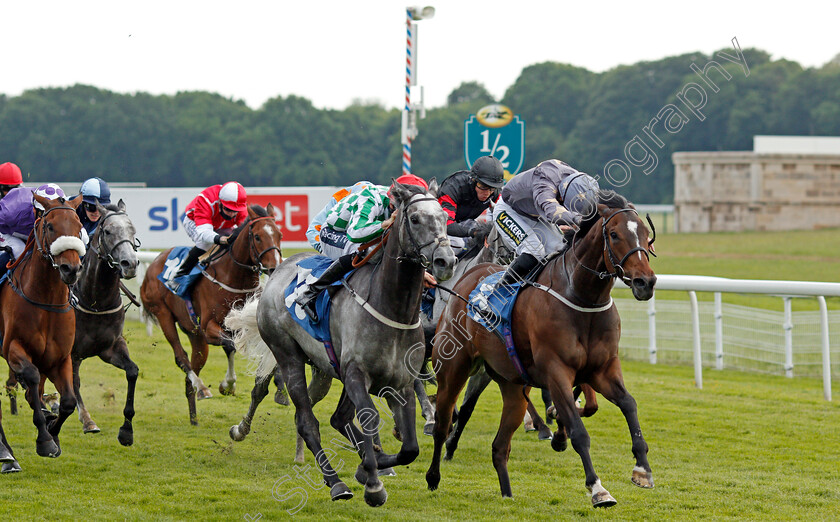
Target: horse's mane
x=611 y=199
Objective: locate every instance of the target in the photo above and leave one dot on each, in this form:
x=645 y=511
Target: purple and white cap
x=49 y=191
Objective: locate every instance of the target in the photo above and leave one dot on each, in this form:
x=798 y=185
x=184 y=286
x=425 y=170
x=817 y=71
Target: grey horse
x=376 y=336
x=100 y=314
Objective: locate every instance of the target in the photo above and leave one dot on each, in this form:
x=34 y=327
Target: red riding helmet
x=233 y=196
x=410 y=179
x=10 y=174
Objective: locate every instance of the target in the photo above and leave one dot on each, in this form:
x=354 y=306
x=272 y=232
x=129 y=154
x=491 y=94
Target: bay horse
x=227 y=281
x=566 y=331
x=100 y=314
x=376 y=339
x=35 y=318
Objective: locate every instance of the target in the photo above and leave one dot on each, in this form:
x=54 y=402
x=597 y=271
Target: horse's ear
x=101 y=208
x=121 y=205
x=44 y=201
x=269 y=209
x=251 y=213
x=399 y=193
x=433 y=187
x=75 y=202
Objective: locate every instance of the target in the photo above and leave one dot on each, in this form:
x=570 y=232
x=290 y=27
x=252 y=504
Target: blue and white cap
x=94 y=190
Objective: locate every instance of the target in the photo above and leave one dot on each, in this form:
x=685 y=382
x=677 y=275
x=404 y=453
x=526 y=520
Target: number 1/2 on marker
x=486 y=143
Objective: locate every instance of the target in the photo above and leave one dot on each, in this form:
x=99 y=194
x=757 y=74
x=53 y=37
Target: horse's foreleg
x=200 y=351
x=537 y=422
x=29 y=376
x=215 y=334
x=88 y=426
x=7 y=457
x=403 y=407
x=428 y=411
x=513 y=410
x=317 y=390
x=356 y=387
x=281 y=396
x=118 y=356
x=63 y=381
x=611 y=385
x=475 y=387
x=308 y=427
x=451 y=378
x=590 y=405
x=238 y=432
x=568 y=417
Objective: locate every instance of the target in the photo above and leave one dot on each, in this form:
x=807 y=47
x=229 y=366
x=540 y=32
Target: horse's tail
x=242 y=323
x=149 y=319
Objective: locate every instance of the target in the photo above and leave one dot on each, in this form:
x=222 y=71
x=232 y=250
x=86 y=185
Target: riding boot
x=518 y=270
x=333 y=273
x=190 y=262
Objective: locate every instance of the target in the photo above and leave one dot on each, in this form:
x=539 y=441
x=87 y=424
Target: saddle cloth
x=171 y=266
x=309 y=270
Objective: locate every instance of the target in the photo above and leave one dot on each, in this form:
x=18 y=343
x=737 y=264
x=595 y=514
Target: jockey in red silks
x=210 y=217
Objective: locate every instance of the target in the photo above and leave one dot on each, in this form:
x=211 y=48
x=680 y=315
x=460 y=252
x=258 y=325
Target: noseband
x=252 y=250
x=610 y=256
x=109 y=256
x=417 y=255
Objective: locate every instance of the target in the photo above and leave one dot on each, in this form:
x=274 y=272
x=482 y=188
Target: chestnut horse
x=228 y=280
x=36 y=319
x=566 y=331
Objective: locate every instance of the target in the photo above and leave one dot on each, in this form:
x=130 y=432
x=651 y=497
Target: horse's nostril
x=440 y=263
x=639 y=282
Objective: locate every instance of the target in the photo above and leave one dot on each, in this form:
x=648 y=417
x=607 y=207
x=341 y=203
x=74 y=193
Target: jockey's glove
x=220 y=239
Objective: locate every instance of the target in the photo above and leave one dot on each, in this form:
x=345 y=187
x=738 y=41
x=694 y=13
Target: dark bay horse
x=228 y=280
x=36 y=318
x=566 y=332
x=100 y=314
x=376 y=337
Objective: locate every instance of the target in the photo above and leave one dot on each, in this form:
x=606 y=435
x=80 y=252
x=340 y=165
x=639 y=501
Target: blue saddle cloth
x=499 y=302
x=492 y=308
x=173 y=263
x=309 y=270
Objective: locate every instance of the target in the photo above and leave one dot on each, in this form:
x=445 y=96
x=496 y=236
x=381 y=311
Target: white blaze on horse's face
x=633 y=227
x=271 y=232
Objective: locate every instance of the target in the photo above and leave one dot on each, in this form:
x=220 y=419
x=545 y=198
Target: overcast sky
x=333 y=54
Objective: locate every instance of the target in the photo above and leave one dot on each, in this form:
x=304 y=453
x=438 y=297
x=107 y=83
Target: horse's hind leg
x=317 y=390
x=29 y=376
x=11 y=390
x=88 y=426
x=228 y=385
x=537 y=422
x=7 y=457
x=475 y=387
x=428 y=411
x=568 y=418
x=294 y=375
x=515 y=404
x=611 y=385
x=238 y=432
x=118 y=356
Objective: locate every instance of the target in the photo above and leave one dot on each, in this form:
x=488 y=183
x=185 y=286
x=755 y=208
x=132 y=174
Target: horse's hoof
x=5 y=454
x=281 y=397
x=193 y=421
x=545 y=434
x=396 y=433
x=340 y=491
x=125 y=436
x=376 y=496
x=387 y=472
x=448 y=455
x=10 y=467
x=642 y=478
x=529 y=426
x=432 y=480
x=203 y=393
x=90 y=427
x=237 y=434
x=600 y=496
x=229 y=390
x=559 y=441
x=550 y=414
x=429 y=429
x=47 y=448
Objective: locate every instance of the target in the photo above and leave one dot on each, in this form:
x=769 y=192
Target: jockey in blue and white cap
x=93 y=191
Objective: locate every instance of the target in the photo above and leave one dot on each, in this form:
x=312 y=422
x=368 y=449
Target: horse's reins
x=610 y=256
x=253 y=253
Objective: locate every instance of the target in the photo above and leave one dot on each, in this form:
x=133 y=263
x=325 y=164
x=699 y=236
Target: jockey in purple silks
x=18 y=212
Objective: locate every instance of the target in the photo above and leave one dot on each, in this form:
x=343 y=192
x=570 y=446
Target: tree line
x=585 y=118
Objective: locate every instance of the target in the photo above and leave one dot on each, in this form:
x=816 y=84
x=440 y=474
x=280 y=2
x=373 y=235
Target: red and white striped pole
x=406 y=141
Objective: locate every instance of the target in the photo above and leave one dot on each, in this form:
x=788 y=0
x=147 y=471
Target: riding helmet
x=10 y=174
x=488 y=170
x=49 y=191
x=95 y=190
x=233 y=196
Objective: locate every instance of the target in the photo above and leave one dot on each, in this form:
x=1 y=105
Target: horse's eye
x=613 y=236
x=414 y=220
x=107 y=232
x=49 y=227
x=258 y=239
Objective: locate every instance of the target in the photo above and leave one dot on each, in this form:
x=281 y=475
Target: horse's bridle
x=610 y=256
x=40 y=242
x=252 y=250
x=417 y=256
x=109 y=256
